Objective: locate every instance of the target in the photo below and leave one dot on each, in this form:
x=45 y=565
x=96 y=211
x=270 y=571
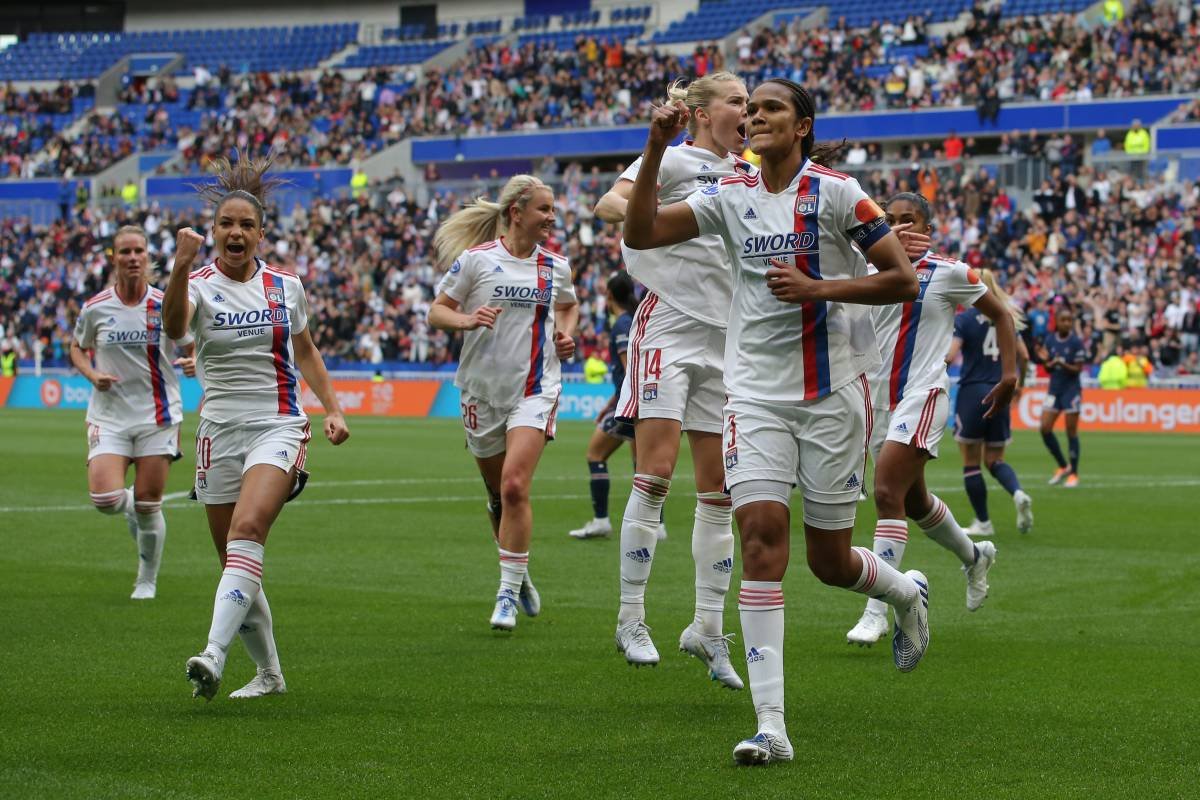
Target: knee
x=831 y=569
x=991 y=462
x=252 y=528
x=888 y=499
x=107 y=502
x=147 y=506
x=758 y=536
x=514 y=490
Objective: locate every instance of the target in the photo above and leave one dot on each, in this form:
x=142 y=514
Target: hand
x=790 y=285
x=667 y=122
x=335 y=428
x=482 y=317
x=999 y=397
x=188 y=365
x=915 y=244
x=187 y=246
x=103 y=381
x=564 y=346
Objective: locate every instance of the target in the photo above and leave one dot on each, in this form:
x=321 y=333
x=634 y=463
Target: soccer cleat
x=1024 y=504
x=714 y=652
x=763 y=749
x=205 y=675
x=1072 y=481
x=661 y=532
x=633 y=639
x=595 y=529
x=131 y=515
x=910 y=637
x=977 y=585
x=871 y=627
x=977 y=528
x=143 y=590
x=531 y=601
x=1059 y=475
x=504 y=615
x=265 y=682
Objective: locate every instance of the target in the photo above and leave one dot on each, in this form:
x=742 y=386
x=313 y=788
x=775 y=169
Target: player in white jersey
x=674 y=379
x=794 y=362
x=134 y=412
x=250 y=321
x=911 y=406
x=516 y=302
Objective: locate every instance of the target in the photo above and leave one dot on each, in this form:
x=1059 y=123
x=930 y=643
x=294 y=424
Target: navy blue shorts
x=616 y=427
x=1067 y=399
x=969 y=425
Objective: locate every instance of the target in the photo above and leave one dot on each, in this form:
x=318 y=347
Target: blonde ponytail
x=481 y=221
x=699 y=93
x=989 y=280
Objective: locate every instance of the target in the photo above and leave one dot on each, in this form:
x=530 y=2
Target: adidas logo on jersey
x=641 y=555
x=852 y=481
x=902 y=427
x=218 y=298
x=111 y=321
x=705 y=168
x=749 y=214
x=753 y=655
x=499 y=269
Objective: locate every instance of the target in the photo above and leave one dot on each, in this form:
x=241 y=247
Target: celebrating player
x=134 y=412
x=797 y=350
x=610 y=432
x=976 y=338
x=909 y=392
x=514 y=297
x=1063 y=354
x=674 y=380
x=250 y=321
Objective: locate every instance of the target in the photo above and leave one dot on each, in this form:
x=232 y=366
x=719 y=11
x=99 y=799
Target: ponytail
x=481 y=221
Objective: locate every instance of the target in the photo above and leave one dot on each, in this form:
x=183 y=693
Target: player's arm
x=566 y=321
x=1006 y=341
x=611 y=207
x=444 y=314
x=187 y=359
x=82 y=361
x=312 y=367
x=176 y=310
x=646 y=225
x=955 y=349
x=895 y=282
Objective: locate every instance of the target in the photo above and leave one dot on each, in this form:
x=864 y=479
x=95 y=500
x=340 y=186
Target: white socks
x=761 y=607
x=639 y=528
x=882 y=581
x=239 y=586
x=114 y=502
x=941 y=526
x=258 y=634
x=152 y=534
x=513 y=567
x=891 y=537
x=712 y=550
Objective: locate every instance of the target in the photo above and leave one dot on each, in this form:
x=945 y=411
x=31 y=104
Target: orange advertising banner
x=1147 y=410
x=6 y=385
x=381 y=399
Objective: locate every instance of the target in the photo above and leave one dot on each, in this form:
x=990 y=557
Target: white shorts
x=133 y=442
x=817 y=445
x=920 y=418
x=487 y=426
x=675 y=369
x=225 y=451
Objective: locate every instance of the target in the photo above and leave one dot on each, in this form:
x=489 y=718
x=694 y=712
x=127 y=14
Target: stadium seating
x=565 y=40
x=395 y=54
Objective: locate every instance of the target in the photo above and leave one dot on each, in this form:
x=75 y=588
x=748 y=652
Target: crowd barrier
x=1145 y=410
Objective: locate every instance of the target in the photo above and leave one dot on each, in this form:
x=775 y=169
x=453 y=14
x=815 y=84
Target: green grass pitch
x=1076 y=679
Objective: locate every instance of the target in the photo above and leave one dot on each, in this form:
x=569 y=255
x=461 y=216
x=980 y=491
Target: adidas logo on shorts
x=852 y=481
x=902 y=427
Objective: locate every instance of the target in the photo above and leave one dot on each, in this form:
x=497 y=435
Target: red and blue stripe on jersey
x=158 y=384
x=285 y=373
x=537 y=331
x=906 y=339
x=815 y=333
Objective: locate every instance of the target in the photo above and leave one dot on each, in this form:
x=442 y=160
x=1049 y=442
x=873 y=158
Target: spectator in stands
x=952 y=147
x=1113 y=372
x=1114 y=11
x=1137 y=140
x=1101 y=144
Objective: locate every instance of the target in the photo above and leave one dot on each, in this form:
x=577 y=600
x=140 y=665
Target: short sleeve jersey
x=618 y=343
x=914 y=338
x=1071 y=350
x=980 y=352
x=789 y=352
x=128 y=342
x=693 y=277
x=516 y=359
x=244 y=342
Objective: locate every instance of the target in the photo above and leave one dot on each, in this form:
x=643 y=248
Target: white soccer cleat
x=1024 y=504
x=1059 y=476
x=633 y=639
x=977 y=585
x=131 y=515
x=205 y=674
x=531 y=601
x=660 y=533
x=265 y=682
x=980 y=529
x=714 y=652
x=504 y=615
x=143 y=590
x=910 y=638
x=764 y=748
x=595 y=529
x=872 y=626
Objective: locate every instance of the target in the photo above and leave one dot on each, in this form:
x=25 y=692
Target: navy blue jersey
x=980 y=352
x=618 y=342
x=1070 y=350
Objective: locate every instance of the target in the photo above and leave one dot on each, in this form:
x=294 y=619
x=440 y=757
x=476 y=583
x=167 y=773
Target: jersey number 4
x=652 y=365
x=990 y=349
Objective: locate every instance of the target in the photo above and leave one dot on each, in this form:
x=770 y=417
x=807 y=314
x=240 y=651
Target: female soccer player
x=910 y=405
x=250 y=321
x=134 y=411
x=1063 y=354
x=676 y=358
x=983 y=439
x=798 y=346
x=610 y=432
x=510 y=295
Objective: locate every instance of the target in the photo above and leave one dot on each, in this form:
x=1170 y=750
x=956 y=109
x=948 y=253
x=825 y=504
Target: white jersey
x=785 y=352
x=516 y=359
x=914 y=338
x=244 y=342
x=129 y=343
x=694 y=276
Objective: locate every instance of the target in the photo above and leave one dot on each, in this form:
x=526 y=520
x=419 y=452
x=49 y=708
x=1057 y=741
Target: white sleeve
x=194 y=297
x=458 y=280
x=85 y=330
x=631 y=172
x=299 y=317
x=964 y=286
x=565 y=286
x=706 y=206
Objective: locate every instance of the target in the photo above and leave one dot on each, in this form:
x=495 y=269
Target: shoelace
x=721 y=643
x=641 y=635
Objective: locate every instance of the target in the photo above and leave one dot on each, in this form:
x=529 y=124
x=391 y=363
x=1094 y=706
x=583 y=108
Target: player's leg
x=106 y=487
x=970 y=430
x=891 y=535
x=490 y=469
x=1049 y=417
x=600 y=448
x=1073 y=444
x=1006 y=476
x=150 y=479
x=523 y=450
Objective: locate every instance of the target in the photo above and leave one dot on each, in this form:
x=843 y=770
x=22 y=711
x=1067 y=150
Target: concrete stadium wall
x=141 y=15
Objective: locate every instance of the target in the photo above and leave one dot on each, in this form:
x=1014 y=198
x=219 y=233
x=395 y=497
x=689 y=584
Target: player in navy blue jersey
x=610 y=432
x=980 y=439
x=1063 y=354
